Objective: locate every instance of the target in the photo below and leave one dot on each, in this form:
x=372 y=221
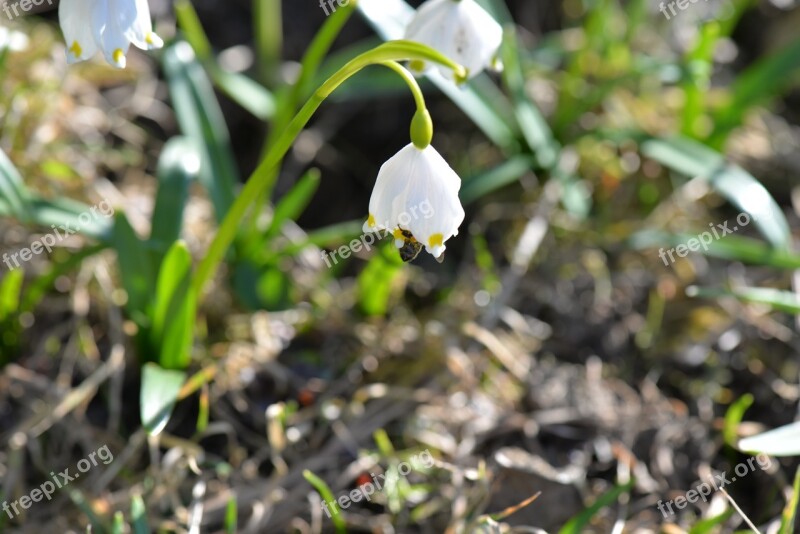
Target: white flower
x=108 y=25
x=461 y=30
x=411 y=180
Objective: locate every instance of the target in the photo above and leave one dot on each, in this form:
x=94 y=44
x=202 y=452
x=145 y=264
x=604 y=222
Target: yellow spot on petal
x=398 y=234
x=416 y=65
x=436 y=239
x=119 y=56
x=371 y=220
x=76 y=49
x=149 y=39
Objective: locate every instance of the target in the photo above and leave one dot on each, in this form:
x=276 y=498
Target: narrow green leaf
x=733 y=418
x=135 y=269
x=248 y=93
x=231 y=516
x=785 y=301
x=10 y=293
x=709 y=526
x=13 y=191
x=578 y=524
x=327 y=496
x=118 y=526
x=736 y=248
x=694 y=159
x=765 y=79
x=201 y=119
x=790 y=511
x=292 y=205
x=139 y=515
x=531 y=122
x=159 y=393
x=177 y=166
x=376 y=283
x=174 y=309
x=495 y=178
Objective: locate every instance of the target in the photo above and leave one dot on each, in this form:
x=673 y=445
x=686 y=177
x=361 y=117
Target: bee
x=411 y=247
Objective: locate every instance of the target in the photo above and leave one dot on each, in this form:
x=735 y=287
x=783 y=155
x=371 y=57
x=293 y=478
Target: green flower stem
x=259 y=180
x=290 y=98
x=421 y=124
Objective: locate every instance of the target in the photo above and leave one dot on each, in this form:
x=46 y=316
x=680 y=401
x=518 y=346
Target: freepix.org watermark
x=330 y=6
x=682 y=5
x=367 y=490
x=59 y=481
x=13 y=9
x=718 y=482
x=704 y=239
x=59 y=233
x=424 y=210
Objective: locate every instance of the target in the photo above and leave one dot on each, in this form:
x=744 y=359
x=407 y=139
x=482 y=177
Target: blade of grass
x=577 y=524
x=327 y=496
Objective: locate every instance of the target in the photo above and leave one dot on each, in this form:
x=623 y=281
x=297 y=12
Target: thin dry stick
x=741 y=513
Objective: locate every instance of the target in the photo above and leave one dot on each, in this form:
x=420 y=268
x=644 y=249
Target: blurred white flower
x=12 y=40
x=108 y=25
x=461 y=30
x=412 y=178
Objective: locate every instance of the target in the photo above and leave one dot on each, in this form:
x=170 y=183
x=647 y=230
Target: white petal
x=134 y=19
x=783 y=441
x=462 y=31
x=112 y=39
x=75 y=18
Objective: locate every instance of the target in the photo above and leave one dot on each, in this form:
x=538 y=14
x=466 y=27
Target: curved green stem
x=391 y=51
x=413 y=86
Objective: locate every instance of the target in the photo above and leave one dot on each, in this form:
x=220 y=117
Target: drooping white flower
x=417 y=191
x=461 y=30
x=108 y=25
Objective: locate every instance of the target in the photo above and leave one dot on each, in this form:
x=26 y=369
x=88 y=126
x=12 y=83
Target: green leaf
x=139 y=515
x=135 y=269
x=694 y=159
x=785 y=301
x=490 y=180
x=160 y=390
x=577 y=524
x=231 y=516
x=327 y=496
x=733 y=418
x=10 y=294
x=708 y=526
x=760 y=82
x=736 y=248
x=13 y=191
x=376 y=283
x=390 y=18
x=64 y=212
x=292 y=205
x=118 y=526
x=534 y=128
x=177 y=166
x=248 y=93
x=201 y=120
x=790 y=511
x=174 y=310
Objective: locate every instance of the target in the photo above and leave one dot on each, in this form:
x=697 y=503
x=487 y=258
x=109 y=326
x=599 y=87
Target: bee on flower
x=461 y=30
x=415 y=175
x=110 y=26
